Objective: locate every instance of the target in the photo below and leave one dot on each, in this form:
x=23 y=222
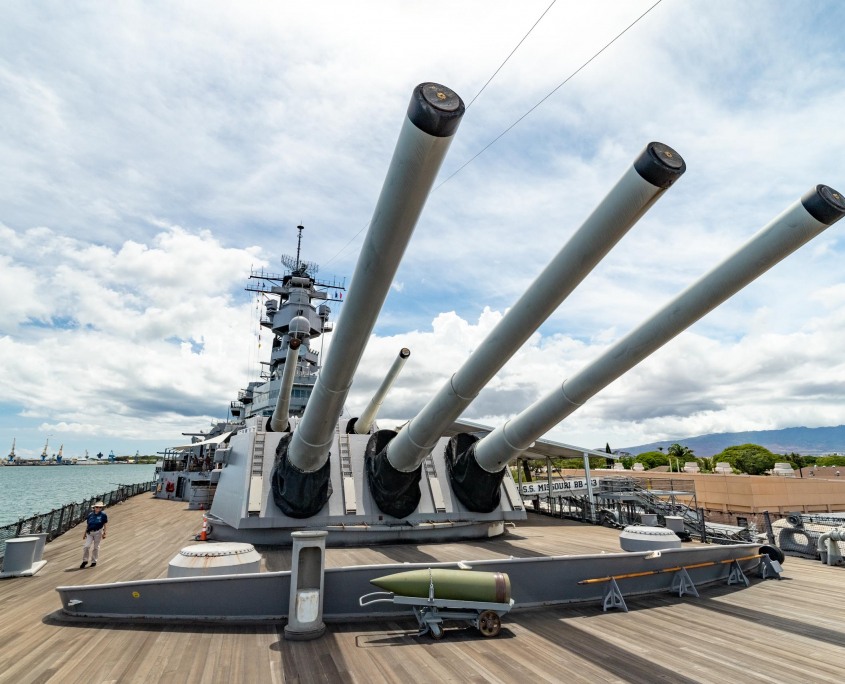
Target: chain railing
x=797 y=534
x=60 y=520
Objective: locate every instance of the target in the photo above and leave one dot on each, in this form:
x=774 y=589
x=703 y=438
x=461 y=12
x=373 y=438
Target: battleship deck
x=786 y=631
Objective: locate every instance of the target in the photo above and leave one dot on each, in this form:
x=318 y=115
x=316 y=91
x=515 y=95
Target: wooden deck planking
x=786 y=631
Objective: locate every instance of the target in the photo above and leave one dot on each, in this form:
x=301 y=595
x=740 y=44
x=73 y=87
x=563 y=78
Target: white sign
x=568 y=487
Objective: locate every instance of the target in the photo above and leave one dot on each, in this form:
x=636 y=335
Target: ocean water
x=28 y=490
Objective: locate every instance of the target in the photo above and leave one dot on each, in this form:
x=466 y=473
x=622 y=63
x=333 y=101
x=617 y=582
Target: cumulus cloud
x=126 y=343
x=694 y=385
x=148 y=148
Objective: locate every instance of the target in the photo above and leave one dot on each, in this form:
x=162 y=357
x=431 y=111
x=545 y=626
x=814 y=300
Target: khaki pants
x=92 y=544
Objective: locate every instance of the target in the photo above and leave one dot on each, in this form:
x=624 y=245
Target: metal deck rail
x=622 y=501
x=60 y=520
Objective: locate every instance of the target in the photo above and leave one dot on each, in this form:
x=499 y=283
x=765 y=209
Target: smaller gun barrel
x=365 y=420
x=280 y=420
x=819 y=208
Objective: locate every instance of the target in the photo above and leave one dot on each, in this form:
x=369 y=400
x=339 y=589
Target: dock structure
x=785 y=631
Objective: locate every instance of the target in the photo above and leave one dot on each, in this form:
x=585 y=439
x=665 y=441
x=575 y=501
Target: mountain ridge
x=801 y=440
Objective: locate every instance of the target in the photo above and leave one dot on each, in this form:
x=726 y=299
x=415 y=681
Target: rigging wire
x=475 y=97
x=515 y=123
x=511 y=54
x=546 y=97
x=350 y=241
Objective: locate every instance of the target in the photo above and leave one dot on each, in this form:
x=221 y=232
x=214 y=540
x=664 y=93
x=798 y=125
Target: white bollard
x=19 y=559
x=305 y=611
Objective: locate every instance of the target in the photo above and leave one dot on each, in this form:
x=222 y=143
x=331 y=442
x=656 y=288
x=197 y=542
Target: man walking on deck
x=95 y=532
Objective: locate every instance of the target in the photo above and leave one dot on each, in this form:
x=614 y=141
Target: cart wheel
x=489 y=624
x=436 y=631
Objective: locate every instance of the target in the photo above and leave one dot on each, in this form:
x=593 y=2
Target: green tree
x=595 y=462
x=831 y=460
x=706 y=465
x=608 y=462
x=652 y=459
x=748 y=458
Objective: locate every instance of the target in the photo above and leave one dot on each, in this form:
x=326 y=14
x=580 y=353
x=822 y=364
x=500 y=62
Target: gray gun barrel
x=819 y=208
x=432 y=119
x=364 y=422
x=280 y=420
x=655 y=170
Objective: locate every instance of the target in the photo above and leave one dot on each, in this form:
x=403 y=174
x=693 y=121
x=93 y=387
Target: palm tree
x=798 y=461
x=679 y=453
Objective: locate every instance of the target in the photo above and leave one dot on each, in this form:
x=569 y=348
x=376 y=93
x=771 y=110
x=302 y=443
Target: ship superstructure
x=297 y=313
x=295 y=308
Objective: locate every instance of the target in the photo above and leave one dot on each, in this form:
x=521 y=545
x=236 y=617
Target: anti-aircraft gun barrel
x=298 y=329
x=364 y=422
x=655 y=170
x=280 y=420
x=432 y=119
x=819 y=208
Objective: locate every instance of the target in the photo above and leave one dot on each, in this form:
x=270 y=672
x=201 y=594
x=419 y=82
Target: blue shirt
x=96 y=521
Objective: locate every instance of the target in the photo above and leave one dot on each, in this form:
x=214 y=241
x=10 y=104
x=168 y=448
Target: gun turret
x=476 y=467
x=394 y=471
x=301 y=474
x=362 y=424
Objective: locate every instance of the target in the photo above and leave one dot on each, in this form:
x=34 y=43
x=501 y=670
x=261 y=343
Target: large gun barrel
x=655 y=170
x=819 y=208
x=362 y=424
x=432 y=119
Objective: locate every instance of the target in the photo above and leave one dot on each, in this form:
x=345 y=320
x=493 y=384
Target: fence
x=60 y=520
x=798 y=533
x=621 y=501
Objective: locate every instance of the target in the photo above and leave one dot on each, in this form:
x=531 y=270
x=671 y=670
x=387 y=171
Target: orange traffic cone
x=204 y=533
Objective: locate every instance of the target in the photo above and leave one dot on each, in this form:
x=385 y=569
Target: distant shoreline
x=149 y=460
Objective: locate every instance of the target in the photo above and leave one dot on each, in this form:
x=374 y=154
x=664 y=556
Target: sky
x=152 y=153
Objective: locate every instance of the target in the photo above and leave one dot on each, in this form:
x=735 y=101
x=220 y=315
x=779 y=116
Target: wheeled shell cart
x=431 y=612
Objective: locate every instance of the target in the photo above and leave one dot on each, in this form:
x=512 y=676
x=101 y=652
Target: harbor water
x=28 y=490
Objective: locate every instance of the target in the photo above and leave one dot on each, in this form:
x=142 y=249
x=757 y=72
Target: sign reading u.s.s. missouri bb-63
x=568 y=487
